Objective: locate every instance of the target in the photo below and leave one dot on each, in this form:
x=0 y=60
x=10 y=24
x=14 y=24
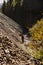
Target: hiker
x=22 y=37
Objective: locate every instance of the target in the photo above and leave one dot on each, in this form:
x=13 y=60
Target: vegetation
x=36 y=46
x=37 y=30
x=4 y=7
x=35 y=49
x=22 y=13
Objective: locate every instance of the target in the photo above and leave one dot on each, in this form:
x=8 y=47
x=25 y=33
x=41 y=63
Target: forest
x=24 y=12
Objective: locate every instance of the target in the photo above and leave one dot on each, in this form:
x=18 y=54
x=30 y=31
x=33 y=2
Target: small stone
x=13 y=61
x=4 y=64
x=29 y=61
x=7 y=51
x=4 y=58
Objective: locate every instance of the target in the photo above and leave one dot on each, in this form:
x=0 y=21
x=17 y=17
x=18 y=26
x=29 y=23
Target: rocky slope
x=11 y=51
x=11 y=54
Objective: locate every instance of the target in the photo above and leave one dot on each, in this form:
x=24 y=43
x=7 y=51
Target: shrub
x=37 y=30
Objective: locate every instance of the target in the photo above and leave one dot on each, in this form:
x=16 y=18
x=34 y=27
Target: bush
x=38 y=54
x=36 y=33
x=37 y=30
x=36 y=50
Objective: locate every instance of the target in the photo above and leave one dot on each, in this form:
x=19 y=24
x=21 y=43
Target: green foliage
x=36 y=50
x=17 y=1
x=37 y=30
x=14 y=3
x=21 y=3
x=38 y=54
x=9 y=3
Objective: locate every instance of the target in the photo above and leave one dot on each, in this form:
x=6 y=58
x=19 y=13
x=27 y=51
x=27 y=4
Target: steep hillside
x=11 y=54
x=11 y=51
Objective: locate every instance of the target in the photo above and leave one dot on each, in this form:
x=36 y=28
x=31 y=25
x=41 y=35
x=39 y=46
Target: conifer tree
x=4 y=7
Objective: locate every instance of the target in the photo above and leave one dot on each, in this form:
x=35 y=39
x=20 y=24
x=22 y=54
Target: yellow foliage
x=37 y=30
